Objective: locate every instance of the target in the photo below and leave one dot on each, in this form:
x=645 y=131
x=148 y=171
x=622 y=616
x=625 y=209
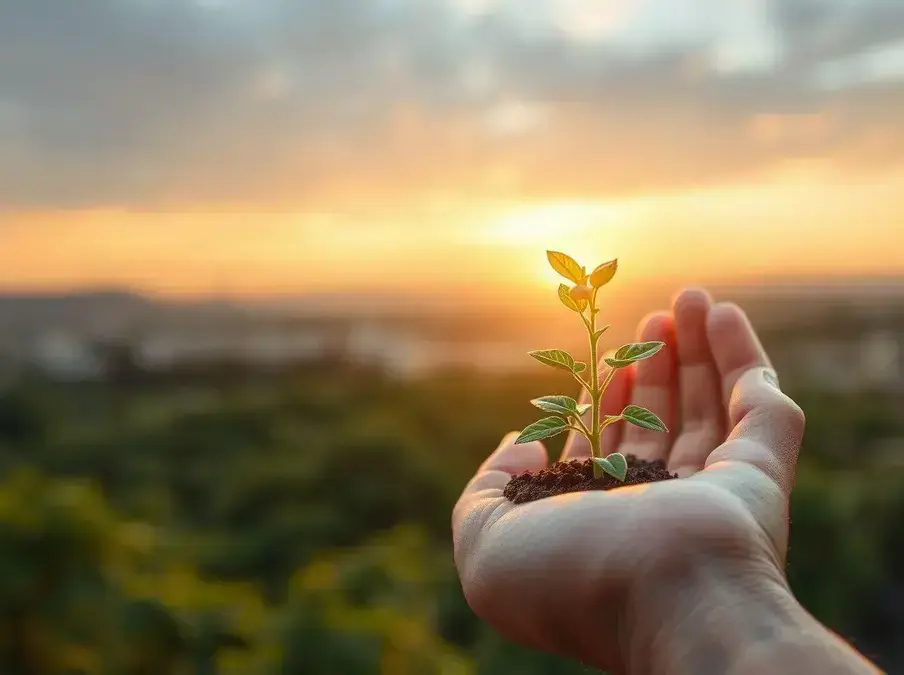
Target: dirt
x=577 y=476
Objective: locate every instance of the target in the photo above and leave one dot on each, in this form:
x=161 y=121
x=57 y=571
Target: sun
x=535 y=224
x=574 y=226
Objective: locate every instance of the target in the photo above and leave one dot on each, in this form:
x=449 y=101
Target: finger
x=655 y=388
x=700 y=397
x=613 y=402
x=767 y=428
x=757 y=463
x=735 y=345
x=506 y=461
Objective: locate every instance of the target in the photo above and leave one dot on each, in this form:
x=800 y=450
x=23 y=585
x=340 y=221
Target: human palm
x=583 y=574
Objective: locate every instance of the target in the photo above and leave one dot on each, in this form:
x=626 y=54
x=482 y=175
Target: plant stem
x=595 y=387
x=583 y=427
x=605 y=384
x=609 y=420
x=583 y=383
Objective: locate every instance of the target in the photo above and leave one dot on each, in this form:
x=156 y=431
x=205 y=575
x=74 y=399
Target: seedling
x=567 y=413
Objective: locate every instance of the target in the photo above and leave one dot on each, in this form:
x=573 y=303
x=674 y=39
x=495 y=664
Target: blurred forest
x=226 y=522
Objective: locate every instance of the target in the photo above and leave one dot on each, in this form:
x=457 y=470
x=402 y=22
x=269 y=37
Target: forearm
x=722 y=624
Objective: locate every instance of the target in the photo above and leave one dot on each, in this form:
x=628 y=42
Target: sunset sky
x=292 y=146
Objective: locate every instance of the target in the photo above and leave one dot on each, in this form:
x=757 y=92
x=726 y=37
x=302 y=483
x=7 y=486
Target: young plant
x=566 y=413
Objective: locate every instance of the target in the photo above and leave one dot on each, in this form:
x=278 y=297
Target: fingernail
x=771 y=378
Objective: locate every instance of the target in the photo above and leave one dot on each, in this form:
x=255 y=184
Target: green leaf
x=569 y=302
x=579 y=367
x=603 y=274
x=637 y=351
x=615 y=465
x=560 y=405
x=643 y=418
x=557 y=358
x=545 y=428
x=583 y=408
x=566 y=266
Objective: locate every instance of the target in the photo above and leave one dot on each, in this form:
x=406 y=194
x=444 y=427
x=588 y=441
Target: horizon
x=776 y=281
x=631 y=301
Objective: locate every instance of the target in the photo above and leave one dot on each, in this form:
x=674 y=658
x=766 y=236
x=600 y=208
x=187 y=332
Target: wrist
x=706 y=614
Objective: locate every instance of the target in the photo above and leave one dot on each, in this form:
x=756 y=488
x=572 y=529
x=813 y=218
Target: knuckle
x=740 y=405
x=775 y=409
x=787 y=413
x=797 y=416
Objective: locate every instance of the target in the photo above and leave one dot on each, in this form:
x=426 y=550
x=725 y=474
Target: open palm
x=585 y=574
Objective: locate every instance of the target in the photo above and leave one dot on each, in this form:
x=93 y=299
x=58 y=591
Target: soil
x=577 y=476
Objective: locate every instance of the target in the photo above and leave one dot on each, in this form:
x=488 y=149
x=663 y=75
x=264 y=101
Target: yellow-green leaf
x=603 y=274
x=557 y=358
x=643 y=418
x=560 y=405
x=615 y=465
x=628 y=354
x=545 y=428
x=569 y=302
x=567 y=266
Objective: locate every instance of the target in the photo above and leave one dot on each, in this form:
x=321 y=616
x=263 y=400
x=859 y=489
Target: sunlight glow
x=549 y=223
x=797 y=222
x=571 y=226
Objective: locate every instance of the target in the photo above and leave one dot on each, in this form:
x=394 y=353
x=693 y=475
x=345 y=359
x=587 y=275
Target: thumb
x=482 y=494
x=507 y=460
x=767 y=428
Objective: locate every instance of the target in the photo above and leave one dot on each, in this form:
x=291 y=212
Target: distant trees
x=299 y=526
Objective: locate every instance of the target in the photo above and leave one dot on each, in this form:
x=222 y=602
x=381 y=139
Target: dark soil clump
x=577 y=476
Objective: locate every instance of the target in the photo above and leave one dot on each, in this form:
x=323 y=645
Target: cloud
x=878 y=64
x=323 y=104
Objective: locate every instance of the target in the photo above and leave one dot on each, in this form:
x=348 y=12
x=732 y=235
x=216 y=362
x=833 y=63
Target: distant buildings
x=823 y=344
x=839 y=361
x=261 y=344
x=65 y=355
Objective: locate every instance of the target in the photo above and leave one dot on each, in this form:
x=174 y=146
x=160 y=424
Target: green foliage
x=374 y=605
x=615 y=465
x=190 y=528
x=632 y=353
x=579 y=299
x=561 y=405
x=643 y=418
x=557 y=358
x=545 y=428
x=20 y=417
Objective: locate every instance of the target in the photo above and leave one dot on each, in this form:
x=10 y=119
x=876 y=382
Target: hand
x=608 y=577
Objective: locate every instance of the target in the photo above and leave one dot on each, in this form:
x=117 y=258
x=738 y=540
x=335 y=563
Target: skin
x=673 y=578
